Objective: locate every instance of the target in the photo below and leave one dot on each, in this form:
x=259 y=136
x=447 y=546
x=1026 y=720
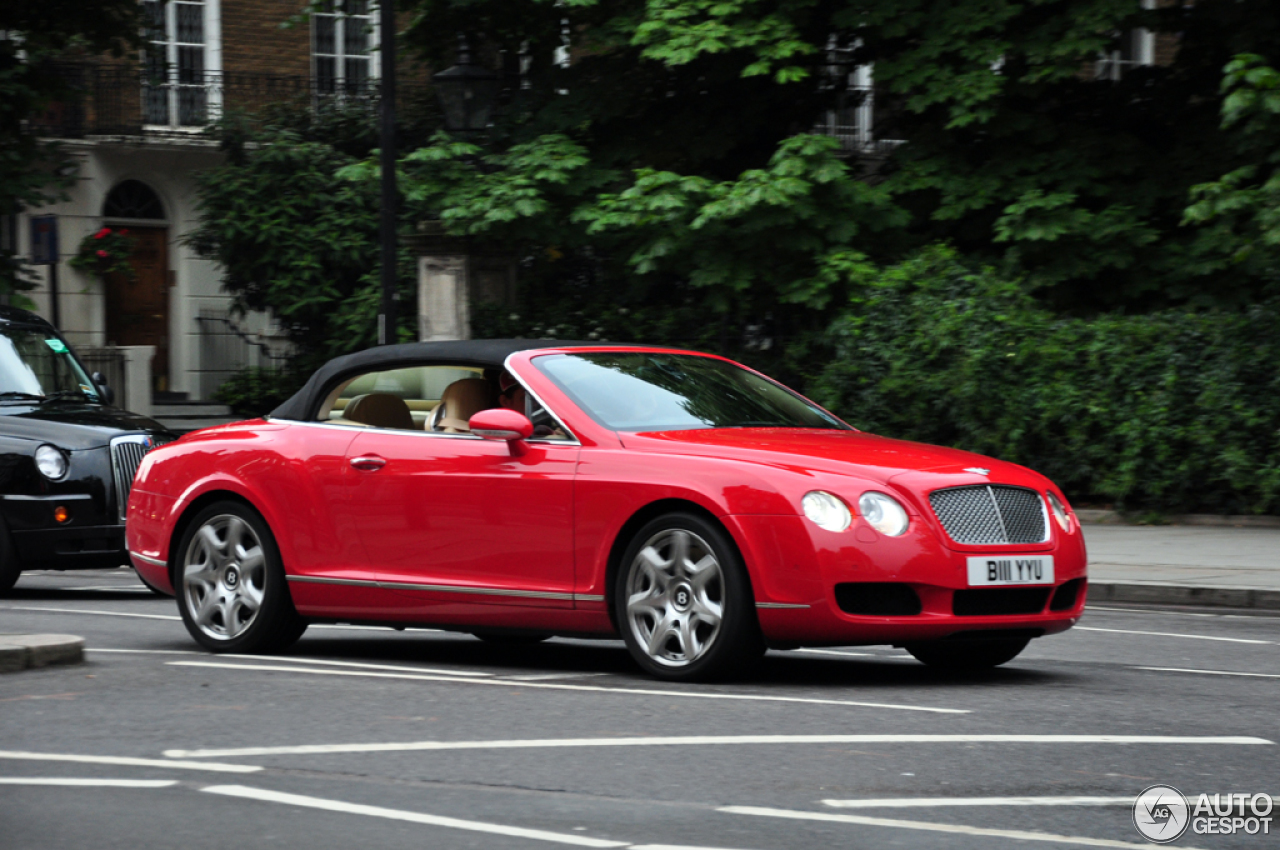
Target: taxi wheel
x=967 y=655
x=230 y=583
x=10 y=569
x=684 y=601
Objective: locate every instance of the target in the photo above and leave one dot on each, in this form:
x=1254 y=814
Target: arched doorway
x=137 y=310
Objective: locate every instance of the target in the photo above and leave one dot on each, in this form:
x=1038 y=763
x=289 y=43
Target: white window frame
x=339 y=55
x=1113 y=66
x=211 y=47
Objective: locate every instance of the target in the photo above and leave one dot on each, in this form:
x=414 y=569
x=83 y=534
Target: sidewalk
x=23 y=652
x=1184 y=565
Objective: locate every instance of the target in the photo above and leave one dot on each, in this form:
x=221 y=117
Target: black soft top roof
x=488 y=353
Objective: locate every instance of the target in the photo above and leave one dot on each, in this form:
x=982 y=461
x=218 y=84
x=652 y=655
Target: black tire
x=967 y=655
x=214 y=564
x=10 y=569
x=661 y=622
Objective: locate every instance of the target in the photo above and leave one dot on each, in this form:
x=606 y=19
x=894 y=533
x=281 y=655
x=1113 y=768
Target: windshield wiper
x=13 y=395
x=60 y=394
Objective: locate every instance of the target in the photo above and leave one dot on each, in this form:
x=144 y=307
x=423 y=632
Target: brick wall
x=252 y=39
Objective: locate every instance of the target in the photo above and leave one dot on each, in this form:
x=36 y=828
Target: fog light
x=61 y=514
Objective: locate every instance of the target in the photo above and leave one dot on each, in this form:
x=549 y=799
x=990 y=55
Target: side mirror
x=100 y=380
x=502 y=424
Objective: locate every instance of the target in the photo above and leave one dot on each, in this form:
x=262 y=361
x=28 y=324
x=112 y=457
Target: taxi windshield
x=652 y=391
x=36 y=365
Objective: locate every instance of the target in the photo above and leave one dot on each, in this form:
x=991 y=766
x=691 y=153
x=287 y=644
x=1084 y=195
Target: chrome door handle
x=368 y=463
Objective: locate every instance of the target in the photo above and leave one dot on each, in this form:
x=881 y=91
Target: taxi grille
x=991 y=514
x=126 y=455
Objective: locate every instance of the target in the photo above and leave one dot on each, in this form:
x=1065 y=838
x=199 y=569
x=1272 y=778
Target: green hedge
x=1171 y=412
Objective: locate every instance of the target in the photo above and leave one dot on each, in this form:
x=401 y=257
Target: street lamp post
x=467 y=92
x=390 y=197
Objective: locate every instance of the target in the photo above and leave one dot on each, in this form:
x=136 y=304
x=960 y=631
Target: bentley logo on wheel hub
x=232 y=578
x=683 y=597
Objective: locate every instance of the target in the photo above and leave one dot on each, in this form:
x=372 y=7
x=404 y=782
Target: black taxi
x=67 y=457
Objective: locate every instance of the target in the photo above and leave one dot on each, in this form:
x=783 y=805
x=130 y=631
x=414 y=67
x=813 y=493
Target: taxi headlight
x=1059 y=512
x=826 y=510
x=883 y=513
x=51 y=463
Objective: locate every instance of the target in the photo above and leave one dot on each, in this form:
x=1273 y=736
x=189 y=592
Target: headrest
x=382 y=410
x=460 y=401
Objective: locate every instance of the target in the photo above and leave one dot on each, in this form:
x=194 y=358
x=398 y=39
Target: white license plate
x=1017 y=569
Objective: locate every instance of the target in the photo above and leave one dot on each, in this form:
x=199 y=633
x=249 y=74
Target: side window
x=394 y=398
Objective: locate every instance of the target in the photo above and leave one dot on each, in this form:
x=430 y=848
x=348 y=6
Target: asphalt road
x=372 y=738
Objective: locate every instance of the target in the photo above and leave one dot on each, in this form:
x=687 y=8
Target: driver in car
x=512 y=396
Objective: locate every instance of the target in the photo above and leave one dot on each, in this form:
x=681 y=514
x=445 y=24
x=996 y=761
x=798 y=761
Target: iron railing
x=109 y=100
x=110 y=361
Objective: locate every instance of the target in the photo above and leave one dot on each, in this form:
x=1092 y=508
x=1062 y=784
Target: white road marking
x=1210 y=672
x=955 y=829
x=295 y=660
x=113 y=589
x=1172 y=635
x=263 y=795
x=706 y=740
x=538 y=676
x=559 y=687
x=89 y=783
x=148 y=651
x=934 y=802
x=132 y=762
x=98 y=613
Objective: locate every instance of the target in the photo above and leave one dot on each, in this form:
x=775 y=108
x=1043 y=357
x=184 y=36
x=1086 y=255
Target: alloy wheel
x=675 y=596
x=224 y=577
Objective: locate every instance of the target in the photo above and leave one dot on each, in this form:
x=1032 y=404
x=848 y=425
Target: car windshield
x=642 y=391
x=37 y=366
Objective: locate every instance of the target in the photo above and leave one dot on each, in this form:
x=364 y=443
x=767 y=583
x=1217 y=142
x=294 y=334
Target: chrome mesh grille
x=126 y=455
x=990 y=514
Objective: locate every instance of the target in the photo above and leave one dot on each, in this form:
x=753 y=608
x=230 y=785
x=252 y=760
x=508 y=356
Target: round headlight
x=1059 y=512
x=51 y=462
x=826 y=510
x=883 y=513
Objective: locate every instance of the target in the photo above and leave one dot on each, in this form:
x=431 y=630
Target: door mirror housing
x=501 y=424
x=107 y=394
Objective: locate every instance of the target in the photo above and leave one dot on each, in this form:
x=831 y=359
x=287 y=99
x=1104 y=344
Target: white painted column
x=444 y=306
x=137 y=378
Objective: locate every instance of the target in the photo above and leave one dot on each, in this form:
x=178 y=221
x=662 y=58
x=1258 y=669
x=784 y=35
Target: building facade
x=136 y=133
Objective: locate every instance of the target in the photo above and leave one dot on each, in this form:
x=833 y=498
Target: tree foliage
x=1014 y=152
x=33 y=36
x=1172 y=411
x=297 y=242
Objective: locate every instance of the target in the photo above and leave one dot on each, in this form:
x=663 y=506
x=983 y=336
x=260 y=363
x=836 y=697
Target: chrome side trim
x=779 y=605
x=69 y=497
x=479 y=591
x=439 y=588
x=314 y=580
x=435 y=435
x=586 y=597
x=147 y=559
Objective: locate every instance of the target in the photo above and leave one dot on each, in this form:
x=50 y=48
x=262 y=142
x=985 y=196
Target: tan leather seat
x=381 y=410
x=458 y=403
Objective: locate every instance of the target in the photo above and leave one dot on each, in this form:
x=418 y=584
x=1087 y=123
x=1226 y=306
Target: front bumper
x=87 y=540
x=71 y=548
x=855 y=587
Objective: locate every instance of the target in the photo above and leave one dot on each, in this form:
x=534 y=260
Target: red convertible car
x=520 y=489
